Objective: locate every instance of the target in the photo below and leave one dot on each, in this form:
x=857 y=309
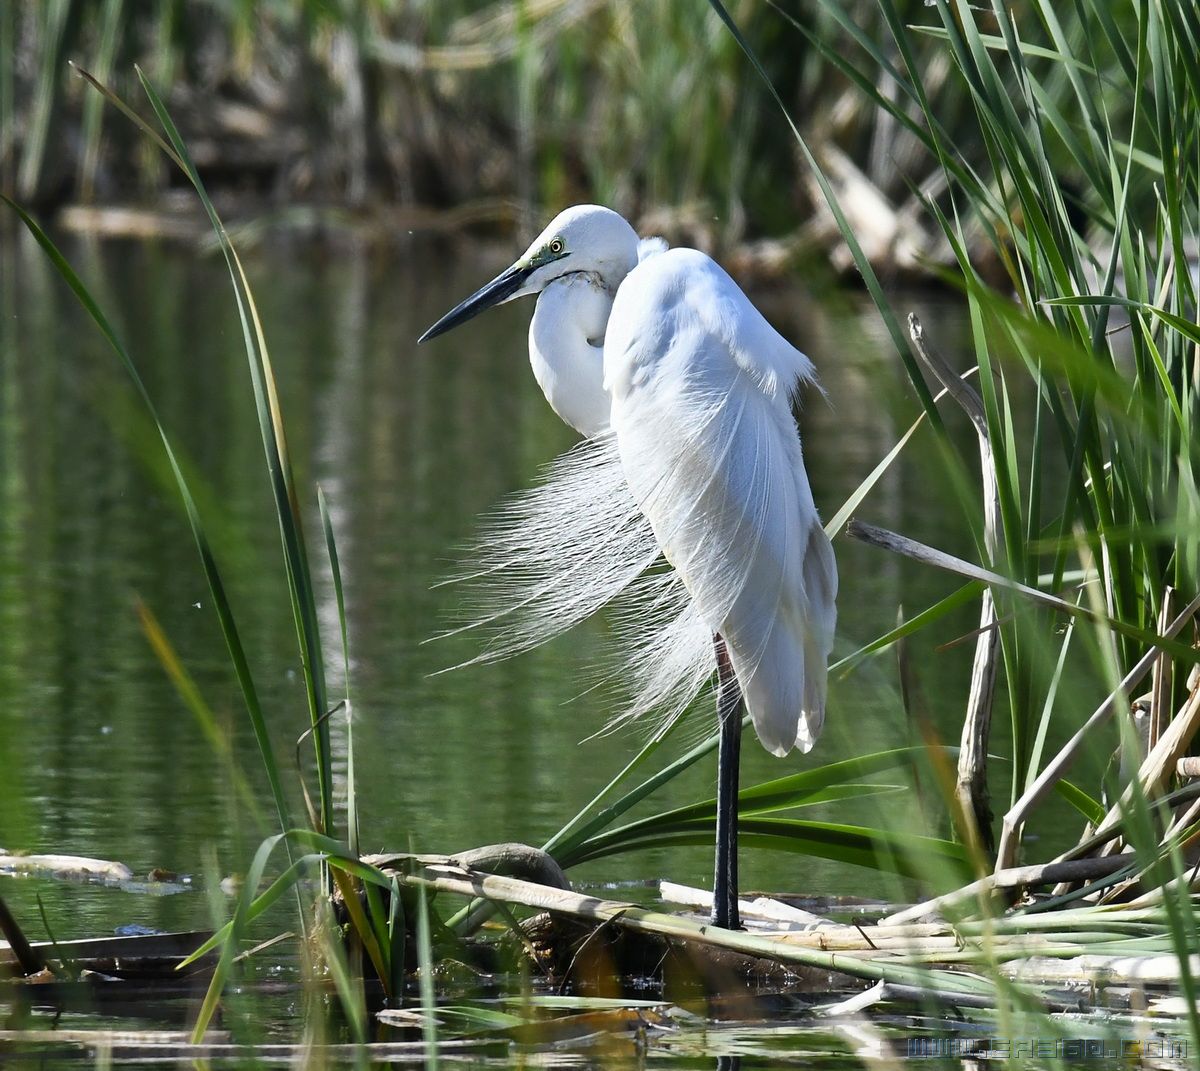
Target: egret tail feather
x=548 y=557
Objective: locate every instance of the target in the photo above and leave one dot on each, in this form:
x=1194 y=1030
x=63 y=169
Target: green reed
x=1056 y=151
x=1076 y=159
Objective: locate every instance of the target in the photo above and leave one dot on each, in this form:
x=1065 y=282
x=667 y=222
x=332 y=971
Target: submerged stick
x=28 y=958
x=971 y=787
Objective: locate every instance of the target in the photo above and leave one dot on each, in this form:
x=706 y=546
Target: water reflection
x=99 y=755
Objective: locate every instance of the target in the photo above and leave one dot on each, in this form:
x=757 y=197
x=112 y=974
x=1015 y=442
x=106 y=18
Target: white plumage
x=683 y=392
x=701 y=388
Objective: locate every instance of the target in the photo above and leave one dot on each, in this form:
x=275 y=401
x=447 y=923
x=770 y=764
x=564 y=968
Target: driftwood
x=511 y=859
x=120 y=221
x=65 y=866
x=133 y=956
x=802 y=950
x=890 y=237
x=1021 y=877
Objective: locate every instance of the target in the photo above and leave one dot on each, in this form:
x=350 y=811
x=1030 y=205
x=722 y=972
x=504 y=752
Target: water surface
x=101 y=758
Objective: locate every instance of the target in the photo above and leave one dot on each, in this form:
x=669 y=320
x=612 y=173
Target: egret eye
x=556 y=246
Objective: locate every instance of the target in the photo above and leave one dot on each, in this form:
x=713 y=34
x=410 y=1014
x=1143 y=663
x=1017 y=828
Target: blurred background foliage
x=420 y=114
x=439 y=113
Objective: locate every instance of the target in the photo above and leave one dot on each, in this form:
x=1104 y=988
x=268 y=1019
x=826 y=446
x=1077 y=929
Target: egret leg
x=729 y=747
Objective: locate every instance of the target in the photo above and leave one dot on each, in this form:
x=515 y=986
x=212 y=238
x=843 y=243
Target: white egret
x=685 y=392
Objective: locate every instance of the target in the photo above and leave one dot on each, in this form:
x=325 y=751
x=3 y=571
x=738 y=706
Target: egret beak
x=499 y=290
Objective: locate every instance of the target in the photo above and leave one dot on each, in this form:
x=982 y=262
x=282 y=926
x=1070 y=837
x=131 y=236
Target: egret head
x=584 y=239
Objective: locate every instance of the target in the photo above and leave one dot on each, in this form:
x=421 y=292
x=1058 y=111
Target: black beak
x=501 y=288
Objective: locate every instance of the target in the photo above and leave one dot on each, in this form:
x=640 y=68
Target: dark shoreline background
x=388 y=118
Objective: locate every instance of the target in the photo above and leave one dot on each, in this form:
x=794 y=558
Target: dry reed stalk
x=1058 y=766
x=1158 y=765
x=934 y=984
x=971 y=786
x=1013 y=878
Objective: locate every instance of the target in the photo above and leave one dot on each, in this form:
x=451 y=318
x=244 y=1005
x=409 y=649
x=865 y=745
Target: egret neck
x=708 y=451
x=566 y=350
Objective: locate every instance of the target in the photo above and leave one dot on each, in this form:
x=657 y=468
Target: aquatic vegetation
x=380 y=907
x=1064 y=145
x=1081 y=171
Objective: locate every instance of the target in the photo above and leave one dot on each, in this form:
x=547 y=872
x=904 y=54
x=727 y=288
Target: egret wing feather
x=650 y=247
x=661 y=653
x=548 y=557
x=701 y=389
x=703 y=464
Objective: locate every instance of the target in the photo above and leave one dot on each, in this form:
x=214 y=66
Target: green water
x=99 y=757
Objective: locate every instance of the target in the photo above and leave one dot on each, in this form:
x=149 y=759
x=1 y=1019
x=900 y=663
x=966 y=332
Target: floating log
x=64 y=866
x=787 y=949
x=120 y=221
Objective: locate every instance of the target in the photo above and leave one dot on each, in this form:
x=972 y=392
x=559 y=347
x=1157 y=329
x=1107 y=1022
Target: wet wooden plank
x=127 y=950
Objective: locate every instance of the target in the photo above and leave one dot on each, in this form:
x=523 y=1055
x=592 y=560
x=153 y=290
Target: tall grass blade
x=93 y=111
x=349 y=989
x=397 y=937
x=225 y=962
x=425 y=968
x=367 y=935
x=335 y=570
x=216 y=585
x=188 y=691
x=860 y=258
x=287 y=508
x=8 y=85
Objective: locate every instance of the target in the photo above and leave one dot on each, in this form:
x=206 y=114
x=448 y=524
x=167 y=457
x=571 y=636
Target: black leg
x=729 y=715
